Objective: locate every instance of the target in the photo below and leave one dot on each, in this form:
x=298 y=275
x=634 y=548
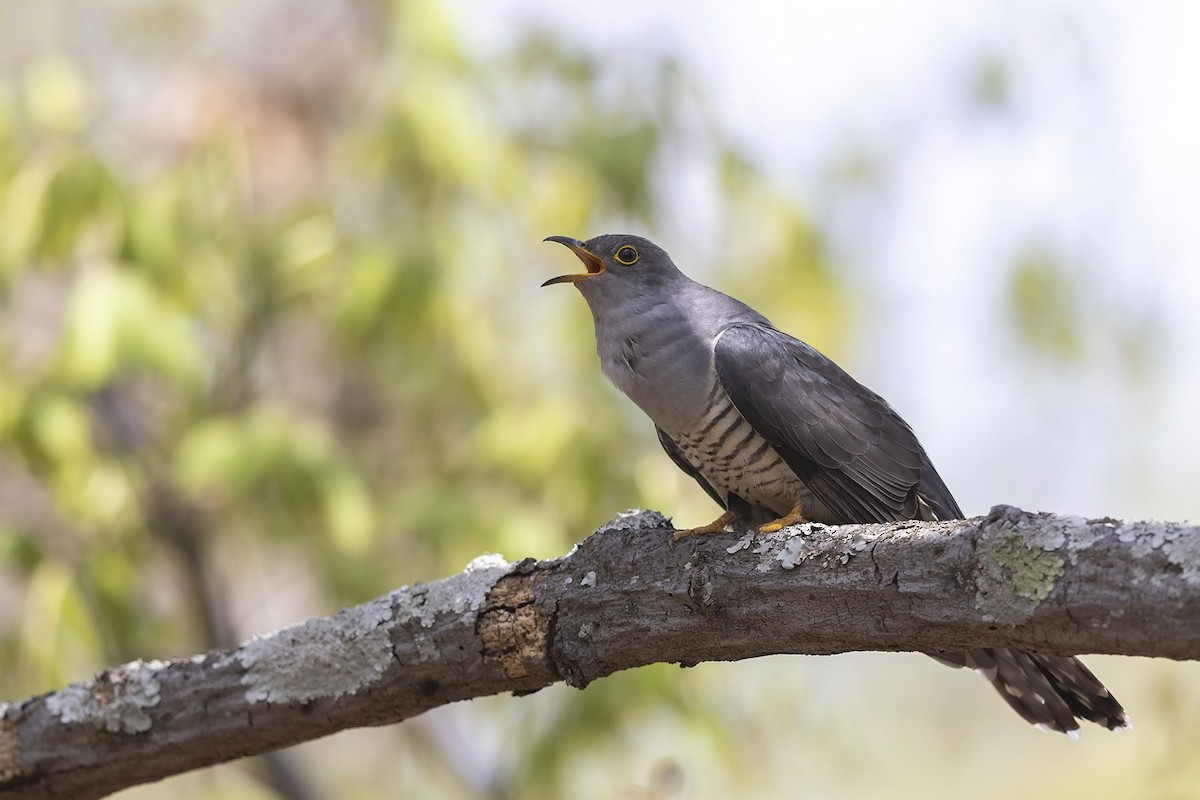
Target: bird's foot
x=790 y=518
x=718 y=525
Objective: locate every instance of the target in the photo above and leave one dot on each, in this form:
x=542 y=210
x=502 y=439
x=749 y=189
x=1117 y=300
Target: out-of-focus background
x=271 y=343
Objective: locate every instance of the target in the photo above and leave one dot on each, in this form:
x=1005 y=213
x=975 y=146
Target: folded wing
x=844 y=441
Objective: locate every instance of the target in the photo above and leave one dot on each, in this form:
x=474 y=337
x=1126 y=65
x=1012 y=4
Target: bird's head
x=617 y=265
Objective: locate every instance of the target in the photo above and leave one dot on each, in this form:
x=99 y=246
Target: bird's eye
x=627 y=255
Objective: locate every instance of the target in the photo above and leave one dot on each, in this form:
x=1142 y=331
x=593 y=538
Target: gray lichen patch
x=635 y=519
x=461 y=594
x=1144 y=537
x=1183 y=550
x=1016 y=574
x=796 y=550
x=329 y=657
x=321 y=658
x=1080 y=534
x=835 y=547
x=741 y=544
x=1050 y=536
x=114 y=701
x=1179 y=543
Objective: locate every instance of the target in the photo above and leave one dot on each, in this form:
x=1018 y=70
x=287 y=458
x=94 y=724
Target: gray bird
x=762 y=421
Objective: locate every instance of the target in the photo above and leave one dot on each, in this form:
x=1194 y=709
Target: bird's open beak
x=591 y=261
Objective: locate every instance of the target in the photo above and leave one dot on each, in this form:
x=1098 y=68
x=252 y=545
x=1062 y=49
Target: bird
x=773 y=429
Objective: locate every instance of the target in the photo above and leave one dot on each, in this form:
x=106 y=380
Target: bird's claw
x=790 y=518
x=718 y=525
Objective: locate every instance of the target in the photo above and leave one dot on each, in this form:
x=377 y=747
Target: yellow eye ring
x=626 y=255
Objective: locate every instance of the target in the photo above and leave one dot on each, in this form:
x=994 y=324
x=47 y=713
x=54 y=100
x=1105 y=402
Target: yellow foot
x=790 y=518
x=716 y=526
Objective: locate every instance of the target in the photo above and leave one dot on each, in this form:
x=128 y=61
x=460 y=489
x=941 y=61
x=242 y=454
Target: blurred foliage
x=271 y=343
x=277 y=341
x=1057 y=314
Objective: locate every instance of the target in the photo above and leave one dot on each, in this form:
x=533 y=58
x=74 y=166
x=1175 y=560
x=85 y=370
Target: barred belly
x=736 y=460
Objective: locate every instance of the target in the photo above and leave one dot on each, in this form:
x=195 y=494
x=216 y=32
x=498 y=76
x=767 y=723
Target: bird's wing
x=845 y=442
x=677 y=456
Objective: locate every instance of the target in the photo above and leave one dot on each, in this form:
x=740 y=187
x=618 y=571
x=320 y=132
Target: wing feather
x=844 y=441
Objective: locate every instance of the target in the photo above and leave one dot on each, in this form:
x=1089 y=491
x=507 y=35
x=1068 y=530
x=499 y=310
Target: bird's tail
x=1049 y=691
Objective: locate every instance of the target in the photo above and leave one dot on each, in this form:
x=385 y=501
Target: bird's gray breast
x=666 y=367
x=660 y=363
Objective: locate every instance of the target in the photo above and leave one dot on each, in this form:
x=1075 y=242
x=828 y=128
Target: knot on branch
x=513 y=631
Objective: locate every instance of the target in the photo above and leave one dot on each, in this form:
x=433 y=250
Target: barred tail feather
x=1051 y=692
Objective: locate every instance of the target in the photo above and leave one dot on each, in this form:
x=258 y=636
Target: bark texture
x=626 y=596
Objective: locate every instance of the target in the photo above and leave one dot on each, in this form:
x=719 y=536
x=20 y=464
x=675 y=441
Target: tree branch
x=625 y=597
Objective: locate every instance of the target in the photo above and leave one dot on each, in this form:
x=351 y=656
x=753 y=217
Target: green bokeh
x=295 y=357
